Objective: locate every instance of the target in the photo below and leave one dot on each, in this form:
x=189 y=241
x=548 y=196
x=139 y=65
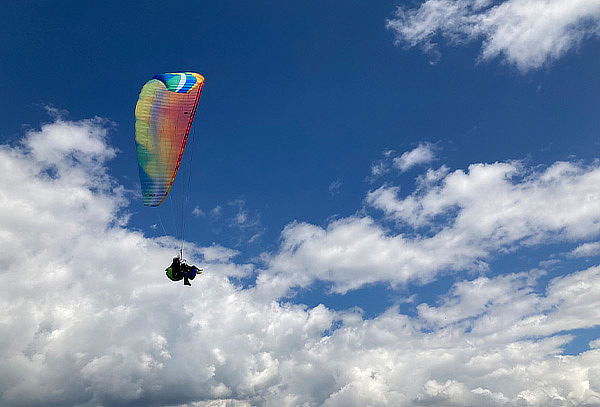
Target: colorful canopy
x=164 y=114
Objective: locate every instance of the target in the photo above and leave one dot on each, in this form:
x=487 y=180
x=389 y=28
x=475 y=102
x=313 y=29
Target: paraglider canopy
x=164 y=114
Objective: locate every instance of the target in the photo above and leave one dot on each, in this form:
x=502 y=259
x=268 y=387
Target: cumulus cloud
x=456 y=221
x=88 y=319
x=524 y=33
x=561 y=199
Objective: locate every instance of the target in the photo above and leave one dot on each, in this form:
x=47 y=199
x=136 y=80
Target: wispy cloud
x=241 y=217
x=586 y=250
x=383 y=165
x=378 y=168
x=216 y=211
x=246 y=221
x=525 y=33
x=335 y=186
x=198 y=212
x=422 y=154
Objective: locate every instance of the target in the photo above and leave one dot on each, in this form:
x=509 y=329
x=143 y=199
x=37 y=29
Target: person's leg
x=191 y=272
x=185 y=280
x=195 y=271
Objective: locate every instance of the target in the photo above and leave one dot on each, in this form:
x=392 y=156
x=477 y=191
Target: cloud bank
x=88 y=319
x=457 y=221
x=525 y=33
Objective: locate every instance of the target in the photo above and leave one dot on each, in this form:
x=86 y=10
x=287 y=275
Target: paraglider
x=163 y=118
x=179 y=270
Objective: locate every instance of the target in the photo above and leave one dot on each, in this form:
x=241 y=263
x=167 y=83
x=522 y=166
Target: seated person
x=180 y=270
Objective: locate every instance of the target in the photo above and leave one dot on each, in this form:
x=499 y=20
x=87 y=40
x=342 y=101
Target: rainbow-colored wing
x=163 y=117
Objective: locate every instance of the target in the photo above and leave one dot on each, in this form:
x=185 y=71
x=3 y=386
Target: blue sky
x=357 y=170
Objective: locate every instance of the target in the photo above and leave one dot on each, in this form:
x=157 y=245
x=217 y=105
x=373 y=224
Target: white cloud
x=216 y=211
x=525 y=33
x=242 y=223
x=586 y=250
x=246 y=222
x=335 y=186
x=493 y=203
x=242 y=218
x=218 y=253
x=379 y=168
x=431 y=177
x=198 y=212
x=422 y=154
x=87 y=317
x=458 y=220
x=482 y=352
